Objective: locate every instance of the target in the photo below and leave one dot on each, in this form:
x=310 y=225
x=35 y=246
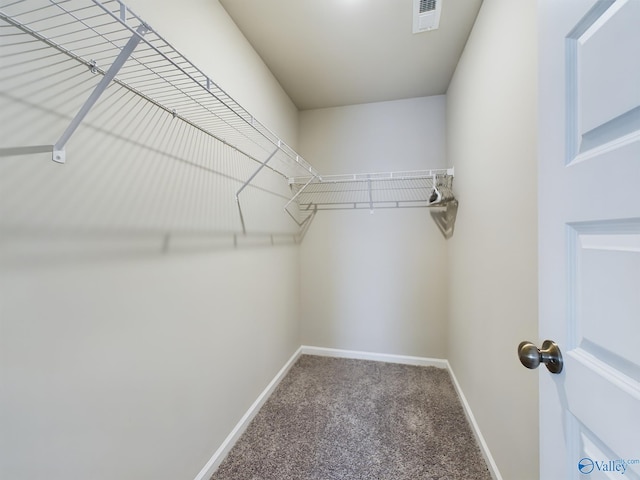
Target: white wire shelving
x=420 y=188
x=111 y=40
x=108 y=39
x=372 y=191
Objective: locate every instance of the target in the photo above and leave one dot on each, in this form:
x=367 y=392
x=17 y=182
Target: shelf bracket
x=245 y=184
x=300 y=191
x=446 y=219
x=286 y=207
x=123 y=56
x=262 y=165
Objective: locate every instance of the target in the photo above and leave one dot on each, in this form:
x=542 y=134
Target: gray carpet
x=355 y=419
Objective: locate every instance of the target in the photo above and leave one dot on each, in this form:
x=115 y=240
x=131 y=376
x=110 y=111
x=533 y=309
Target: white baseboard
x=484 y=448
x=242 y=425
x=378 y=357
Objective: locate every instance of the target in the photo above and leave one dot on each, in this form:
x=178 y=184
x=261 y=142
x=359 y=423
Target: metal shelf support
x=58 y=149
x=250 y=179
x=255 y=174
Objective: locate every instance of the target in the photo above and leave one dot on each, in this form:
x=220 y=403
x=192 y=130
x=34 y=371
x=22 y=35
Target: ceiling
x=328 y=53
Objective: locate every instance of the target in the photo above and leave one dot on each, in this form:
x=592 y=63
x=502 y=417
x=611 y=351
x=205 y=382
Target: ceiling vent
x=426 y=15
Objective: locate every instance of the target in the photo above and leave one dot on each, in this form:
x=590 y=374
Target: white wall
x=127 y=352
x=491 y=140
x=375 y=282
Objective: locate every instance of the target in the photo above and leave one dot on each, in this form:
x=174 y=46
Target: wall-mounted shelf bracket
x=293 y=199
x=255 y=174
x=249 y=180
x=58 y=149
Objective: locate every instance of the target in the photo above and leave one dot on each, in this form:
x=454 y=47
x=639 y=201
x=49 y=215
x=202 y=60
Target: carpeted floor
x=359 y=420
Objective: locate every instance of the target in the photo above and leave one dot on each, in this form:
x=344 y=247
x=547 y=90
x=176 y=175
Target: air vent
x=426 y=15
x=427 y=6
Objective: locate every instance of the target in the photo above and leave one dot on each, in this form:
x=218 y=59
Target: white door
x=589 y=229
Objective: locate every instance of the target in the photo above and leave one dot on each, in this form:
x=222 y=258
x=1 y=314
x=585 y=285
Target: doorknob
x=530 y=356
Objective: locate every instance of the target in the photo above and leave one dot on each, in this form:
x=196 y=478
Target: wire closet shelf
x=111 y=40
x=420 y=188
x=116 y=45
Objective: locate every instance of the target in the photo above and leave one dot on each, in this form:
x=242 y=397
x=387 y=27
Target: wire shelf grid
x=373 y=190
x=96 y=32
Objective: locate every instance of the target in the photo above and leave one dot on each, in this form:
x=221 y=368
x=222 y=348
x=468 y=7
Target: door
x=589 y=230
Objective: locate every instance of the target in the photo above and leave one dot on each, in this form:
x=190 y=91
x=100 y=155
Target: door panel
x=605 y=297
x=589 y=235
x=602 y=360
x=607 y=86
x=602 y=93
